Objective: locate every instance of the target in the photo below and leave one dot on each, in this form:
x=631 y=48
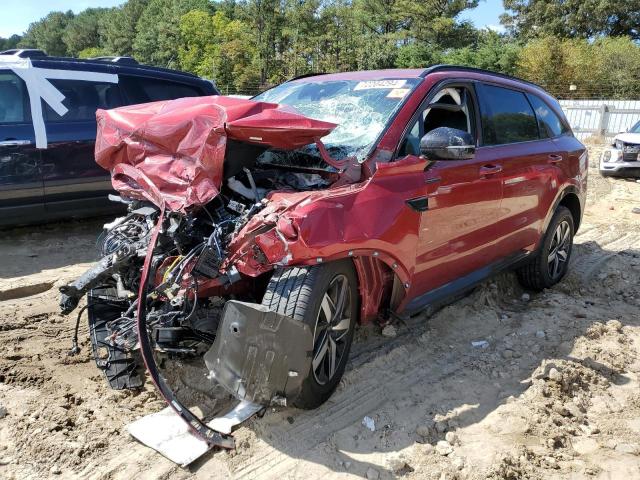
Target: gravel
x=372 y=474
x=389 y=331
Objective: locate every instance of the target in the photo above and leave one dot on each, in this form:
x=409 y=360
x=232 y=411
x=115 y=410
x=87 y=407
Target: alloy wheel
x=559 y=249
x=331 y=329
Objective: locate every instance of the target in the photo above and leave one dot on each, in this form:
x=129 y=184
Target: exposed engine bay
x=190 y=251
x=183 y=273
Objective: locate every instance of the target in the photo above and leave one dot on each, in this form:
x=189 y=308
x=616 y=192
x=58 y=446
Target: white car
x=623 y=157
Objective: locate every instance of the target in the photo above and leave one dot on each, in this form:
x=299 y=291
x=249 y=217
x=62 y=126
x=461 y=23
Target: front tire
x=552 y=262
x=325 y=297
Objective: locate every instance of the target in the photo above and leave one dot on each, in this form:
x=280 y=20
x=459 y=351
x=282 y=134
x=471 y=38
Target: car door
x=21 y=186
x=462 y=198
x=74 y=184
x=510 y=136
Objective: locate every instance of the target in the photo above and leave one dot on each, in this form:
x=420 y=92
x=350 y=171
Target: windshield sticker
x=398 y=93
x=370 y=84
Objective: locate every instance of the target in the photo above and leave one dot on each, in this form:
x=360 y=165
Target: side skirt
x=452 y=291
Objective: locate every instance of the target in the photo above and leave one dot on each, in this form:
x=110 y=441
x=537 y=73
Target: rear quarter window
x=506 y=116
x=145 y=90
x=549 y=123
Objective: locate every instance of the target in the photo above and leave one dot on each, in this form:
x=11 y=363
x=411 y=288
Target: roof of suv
x=103 y=64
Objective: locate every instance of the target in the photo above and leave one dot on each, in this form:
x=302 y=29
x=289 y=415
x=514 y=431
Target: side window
x=145 y=90
x=450 y=107
x=506 y=116
x=83 y=98
x=14 y=99
x=549 y=123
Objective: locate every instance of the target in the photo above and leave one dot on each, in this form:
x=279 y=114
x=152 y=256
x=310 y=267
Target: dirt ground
x=554 y=394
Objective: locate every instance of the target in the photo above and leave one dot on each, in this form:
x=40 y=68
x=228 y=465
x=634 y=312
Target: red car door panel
x=529 y=185
x=457 y=232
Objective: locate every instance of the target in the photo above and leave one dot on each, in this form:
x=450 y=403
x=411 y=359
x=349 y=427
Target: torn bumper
x=259 y=355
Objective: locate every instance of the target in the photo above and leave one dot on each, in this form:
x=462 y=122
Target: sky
x=486 y=15
x=18 y=14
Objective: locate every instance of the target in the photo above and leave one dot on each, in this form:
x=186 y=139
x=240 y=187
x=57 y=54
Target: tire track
x=390 y=383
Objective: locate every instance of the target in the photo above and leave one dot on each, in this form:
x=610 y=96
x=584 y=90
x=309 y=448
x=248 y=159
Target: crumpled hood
x=173 y=152
x=629 y=137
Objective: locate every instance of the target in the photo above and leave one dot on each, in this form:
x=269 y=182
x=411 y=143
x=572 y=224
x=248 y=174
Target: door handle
x=490 y=170
x=554 y=158
x=14 y=143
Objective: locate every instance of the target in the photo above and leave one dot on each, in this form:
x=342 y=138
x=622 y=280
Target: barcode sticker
x=370 y=84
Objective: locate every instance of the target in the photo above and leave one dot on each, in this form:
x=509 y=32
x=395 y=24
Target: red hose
x=196 y=425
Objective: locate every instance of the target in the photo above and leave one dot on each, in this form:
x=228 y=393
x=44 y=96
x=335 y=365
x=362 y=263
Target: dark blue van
x=47 y=167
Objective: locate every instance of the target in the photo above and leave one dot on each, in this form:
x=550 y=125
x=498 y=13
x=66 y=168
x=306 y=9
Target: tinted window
x=14 y=100
x=145 y=90
x=507 y=116
x=549 y=123
x=83 y=98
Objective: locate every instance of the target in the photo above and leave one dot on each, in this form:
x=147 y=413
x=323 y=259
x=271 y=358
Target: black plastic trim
x=419 y=204
x=450 y=291
x=461 y=68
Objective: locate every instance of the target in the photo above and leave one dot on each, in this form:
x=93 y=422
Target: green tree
x=605 y=68
x=92 y=52
x=118 y=27
x=339 y=37
x=265 y=20
x=572 y=18
x=9 y=43
x=197 y=43
x=410 y=33
x=544 y=62
x=158 y=30
x=301 y=37
x=47 y=33
x=490 y=50
x=218 y=48
x=83 y=30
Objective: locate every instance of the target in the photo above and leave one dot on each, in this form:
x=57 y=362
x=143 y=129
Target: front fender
x=370 y=219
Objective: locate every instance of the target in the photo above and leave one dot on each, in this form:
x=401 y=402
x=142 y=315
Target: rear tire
x=325 y=297
x=550 y=265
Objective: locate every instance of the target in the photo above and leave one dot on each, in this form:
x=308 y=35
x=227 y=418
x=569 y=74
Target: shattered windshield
x=361 y=109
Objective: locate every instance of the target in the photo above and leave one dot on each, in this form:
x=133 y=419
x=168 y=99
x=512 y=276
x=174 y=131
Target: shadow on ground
x=431 y=371
x=30 y=250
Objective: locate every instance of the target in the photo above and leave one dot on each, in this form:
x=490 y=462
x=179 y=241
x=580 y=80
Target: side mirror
x=444 y=143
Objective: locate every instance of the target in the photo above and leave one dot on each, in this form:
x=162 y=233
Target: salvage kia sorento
x=261 y=232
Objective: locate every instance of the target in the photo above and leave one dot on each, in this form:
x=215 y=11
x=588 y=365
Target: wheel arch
x=570 y=199
x=378 y=283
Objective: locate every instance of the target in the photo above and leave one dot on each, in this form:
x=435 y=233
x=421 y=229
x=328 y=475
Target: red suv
x=272 y=226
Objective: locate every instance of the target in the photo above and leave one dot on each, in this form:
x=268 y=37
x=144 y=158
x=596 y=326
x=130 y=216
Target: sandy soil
x=555 y=394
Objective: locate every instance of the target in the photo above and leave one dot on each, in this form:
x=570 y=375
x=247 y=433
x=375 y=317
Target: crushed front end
x=182 y=274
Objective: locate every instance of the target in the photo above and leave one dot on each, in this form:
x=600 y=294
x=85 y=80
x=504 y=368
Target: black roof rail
x=125 y=60
x=25 y=52
x=445 y=67
x=305 y=75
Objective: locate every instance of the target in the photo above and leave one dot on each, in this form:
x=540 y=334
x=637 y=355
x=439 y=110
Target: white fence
x=600 y=118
